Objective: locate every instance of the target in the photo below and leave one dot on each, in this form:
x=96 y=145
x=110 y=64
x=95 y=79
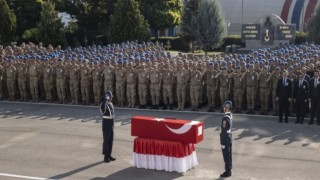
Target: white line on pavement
x=23 y=177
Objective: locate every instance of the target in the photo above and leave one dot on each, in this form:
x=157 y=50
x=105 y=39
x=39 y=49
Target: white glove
x=223 y=146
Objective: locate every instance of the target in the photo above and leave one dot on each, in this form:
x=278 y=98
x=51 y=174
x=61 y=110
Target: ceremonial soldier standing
x=283 y=95
x=314 y=96
x=301 y=94
x=108 y=115
x=226 y=138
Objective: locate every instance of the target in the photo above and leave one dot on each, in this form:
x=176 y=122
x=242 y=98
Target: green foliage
x=30 y=35
x=176 y=43
x=314 y=26
x=50 y=28
x=301 y=37
x=27 y=13
x=211 y=28
x=190 y=9
x=161 y=14
x=128 y=23
x=7 y=23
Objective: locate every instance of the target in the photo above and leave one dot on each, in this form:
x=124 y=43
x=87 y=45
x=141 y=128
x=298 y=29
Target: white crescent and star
x=182 y=130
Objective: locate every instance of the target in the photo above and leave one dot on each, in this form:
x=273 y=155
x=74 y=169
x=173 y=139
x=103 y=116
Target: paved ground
x=64 y=142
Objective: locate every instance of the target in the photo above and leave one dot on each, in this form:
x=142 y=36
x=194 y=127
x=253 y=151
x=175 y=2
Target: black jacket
x=313 y=93
x=284 y=90
x=107 y=110
x=301 y=92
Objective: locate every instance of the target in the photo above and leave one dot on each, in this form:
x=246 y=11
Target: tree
x=92 y=17
x=161 y=14
x=190 y=9
x=314 y=26
x=7 y=23
x=211 y=28
x=27 y=14
x=128 y=23
x=50 y=28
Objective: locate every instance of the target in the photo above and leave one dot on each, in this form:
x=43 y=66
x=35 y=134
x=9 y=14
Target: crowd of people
x=144 y=75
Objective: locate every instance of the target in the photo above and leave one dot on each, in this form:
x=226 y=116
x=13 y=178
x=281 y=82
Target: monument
x=268 y=32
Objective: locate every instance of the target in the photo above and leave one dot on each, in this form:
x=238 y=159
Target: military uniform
x=97 y=77
x=120 y=76
x=195 y=84
x=47 y=82
x=226 y=142
x=11 y=74
x=168 y=78
x=34 y=80
x=238 y=90
x=224 y=83
x=143 y=82
x=85 y=74
x=108 y=74
x=60 y=82
x=155 y=85
x=22 y=81
x=131 y=80
x=314 y=98
x=181 y=79
x=251 y=87
x=264 y=91
x=74 y=74
x=212 y=84
x=274 y=77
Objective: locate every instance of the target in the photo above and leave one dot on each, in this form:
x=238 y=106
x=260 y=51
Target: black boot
x=164 y=107
x=171 y=106
x=226 y=174
x=106 y=159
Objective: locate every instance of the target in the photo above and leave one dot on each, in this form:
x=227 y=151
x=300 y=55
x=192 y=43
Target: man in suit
x=301 y=94
x=283 y=94
x=314 y=96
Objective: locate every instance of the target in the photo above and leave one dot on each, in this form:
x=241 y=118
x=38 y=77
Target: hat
x=227 y=104
x=108 y=95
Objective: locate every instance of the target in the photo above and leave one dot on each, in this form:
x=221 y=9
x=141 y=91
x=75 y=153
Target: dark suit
x=284 y=92
x=314 y=96
x=301 y=95
x=107 y=110
x=226 y=140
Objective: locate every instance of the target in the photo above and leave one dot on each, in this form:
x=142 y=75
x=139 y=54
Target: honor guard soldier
x=283 y=95
x=107 y=111
x=226 y=138
x=301 y=94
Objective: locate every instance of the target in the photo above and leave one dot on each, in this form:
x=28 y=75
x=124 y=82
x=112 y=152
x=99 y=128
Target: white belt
x=107 y=117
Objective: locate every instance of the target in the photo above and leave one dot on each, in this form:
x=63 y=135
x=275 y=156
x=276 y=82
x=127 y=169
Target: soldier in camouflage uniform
x=251 y=79
x=168 y=78
x=212 y=85
x=238 y=89
x=264 y=90
x=11 y=74
x=143 y=84
x=131 y=80
x=97 y=77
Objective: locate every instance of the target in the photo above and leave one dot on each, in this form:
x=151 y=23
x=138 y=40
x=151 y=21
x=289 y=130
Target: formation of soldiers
x=145 y=75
